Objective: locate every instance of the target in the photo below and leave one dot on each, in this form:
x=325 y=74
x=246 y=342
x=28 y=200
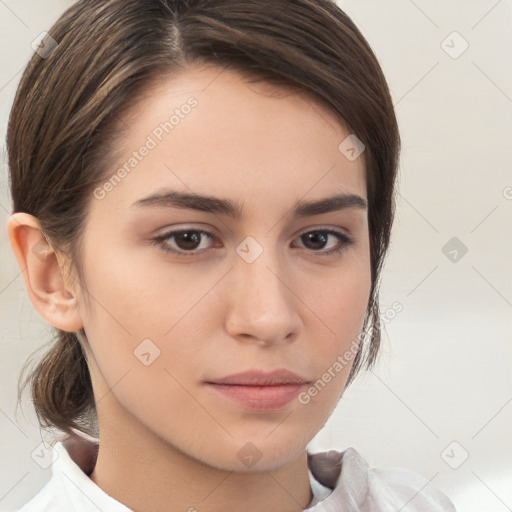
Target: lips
x=260 y=378
x=259 y=391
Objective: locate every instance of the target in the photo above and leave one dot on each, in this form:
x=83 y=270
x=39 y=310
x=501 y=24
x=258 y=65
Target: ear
x=43 y=273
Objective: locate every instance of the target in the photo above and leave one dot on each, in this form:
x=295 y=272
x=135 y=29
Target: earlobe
x=43 y=273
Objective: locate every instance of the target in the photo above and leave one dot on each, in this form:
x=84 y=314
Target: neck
x=147 y=474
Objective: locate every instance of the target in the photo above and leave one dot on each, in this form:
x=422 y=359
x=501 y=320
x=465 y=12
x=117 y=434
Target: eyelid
x=324 y=227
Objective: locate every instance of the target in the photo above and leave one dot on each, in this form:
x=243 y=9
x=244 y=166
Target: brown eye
x=185 y=242
x=188 y=240
x=318 y=239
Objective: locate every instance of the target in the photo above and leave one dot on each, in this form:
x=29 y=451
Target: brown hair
x=61 y=129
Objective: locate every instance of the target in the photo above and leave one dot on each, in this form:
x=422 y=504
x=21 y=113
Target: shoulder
x=43 y=501
x=395 y=487
x=362 y=488
x=70 y=489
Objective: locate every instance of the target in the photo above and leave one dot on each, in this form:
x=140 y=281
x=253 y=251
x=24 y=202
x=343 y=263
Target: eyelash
x=345 y=241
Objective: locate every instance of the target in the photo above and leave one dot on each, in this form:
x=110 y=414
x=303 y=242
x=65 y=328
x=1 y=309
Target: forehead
x=218 y=132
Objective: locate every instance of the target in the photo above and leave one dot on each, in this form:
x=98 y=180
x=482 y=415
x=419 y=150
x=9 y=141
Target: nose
x=262 y=306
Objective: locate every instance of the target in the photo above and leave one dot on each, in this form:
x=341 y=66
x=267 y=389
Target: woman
x=203 y=197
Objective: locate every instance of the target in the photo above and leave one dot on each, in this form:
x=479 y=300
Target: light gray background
x=444 y=375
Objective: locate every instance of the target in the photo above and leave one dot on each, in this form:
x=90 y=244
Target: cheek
x=340 y=306
x=131 y=295
x=341 y=297
x=146 y=313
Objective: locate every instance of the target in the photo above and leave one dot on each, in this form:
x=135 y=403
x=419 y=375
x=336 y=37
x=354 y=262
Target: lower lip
x=261 y=398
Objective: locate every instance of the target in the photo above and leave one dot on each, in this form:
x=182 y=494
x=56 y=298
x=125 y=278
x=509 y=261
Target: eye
x=184 y=242
x=318 y=239
x=191 y=242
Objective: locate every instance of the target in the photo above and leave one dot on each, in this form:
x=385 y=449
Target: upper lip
x=261 y=378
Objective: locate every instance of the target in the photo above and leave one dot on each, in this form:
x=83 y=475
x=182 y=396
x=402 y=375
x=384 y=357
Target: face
x=204 y=257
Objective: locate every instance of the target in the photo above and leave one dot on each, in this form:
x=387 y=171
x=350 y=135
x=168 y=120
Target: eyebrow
x=175 y=199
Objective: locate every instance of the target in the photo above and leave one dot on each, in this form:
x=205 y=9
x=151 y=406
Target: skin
x=166 y=438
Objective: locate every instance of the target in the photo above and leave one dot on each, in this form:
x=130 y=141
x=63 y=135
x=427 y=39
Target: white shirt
x=358 y=488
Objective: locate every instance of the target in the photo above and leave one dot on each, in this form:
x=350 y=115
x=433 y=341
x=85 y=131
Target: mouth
x=257 y=390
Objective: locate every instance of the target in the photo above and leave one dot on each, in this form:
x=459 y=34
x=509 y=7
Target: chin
x=258 y=455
